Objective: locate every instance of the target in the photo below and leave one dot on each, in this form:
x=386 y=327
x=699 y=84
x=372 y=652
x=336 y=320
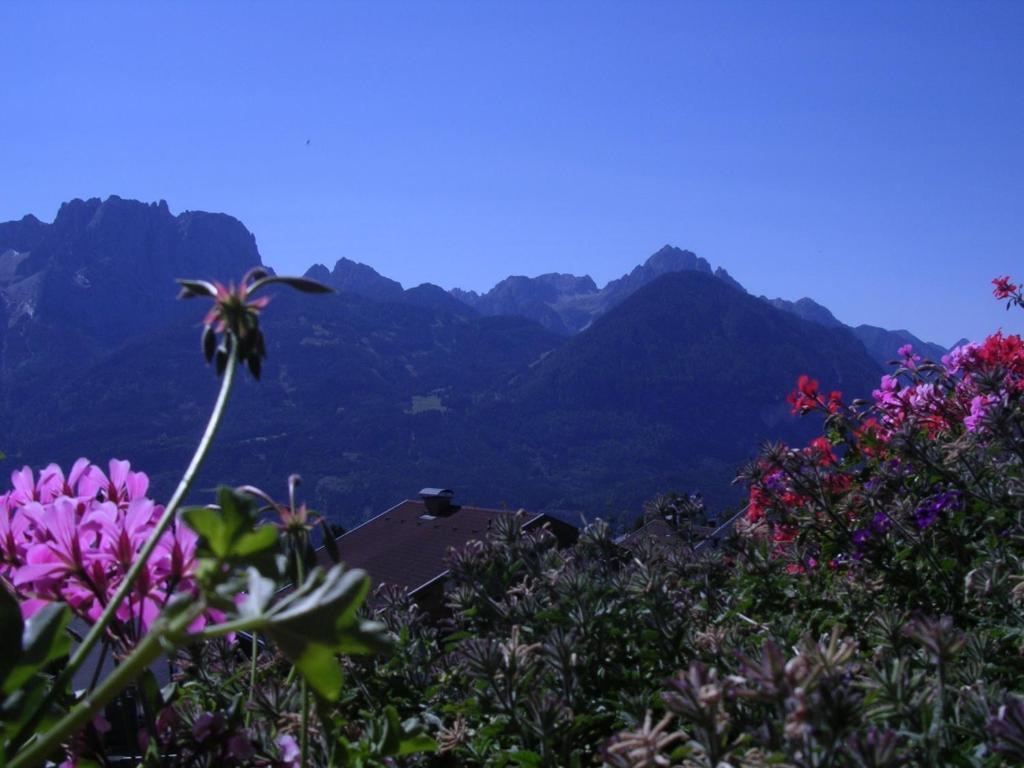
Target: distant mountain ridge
x=62 y=283
x=713 y=365
x=567 y=304
x=672 y=376
x=352 y=277
x=881 y=343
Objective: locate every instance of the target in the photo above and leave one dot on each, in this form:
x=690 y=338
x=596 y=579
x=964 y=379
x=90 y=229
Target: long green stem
x=940 y=718
x=304 y=688
x=252 y=675
x=96 y=633
x=305 y=724
x=168 y=517
x=145 y=653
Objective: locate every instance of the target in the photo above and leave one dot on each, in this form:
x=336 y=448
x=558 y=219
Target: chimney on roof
x=438 y=501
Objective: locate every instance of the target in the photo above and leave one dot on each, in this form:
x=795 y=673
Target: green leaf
x=169 y=693
x=260 y=540
x=319 y=620
x=210 y=527
x=326 y=607
x=417 y=744
x=10 y=637
x=319 y=665
x=259 y=592
x=19 y=706
x=230 y=531
x=387 y=736
x=364 y=638
x=413 y=740
x=43 y=640
x=524 y=757
x=150 y=693
x=392 y=737
x=649 y=636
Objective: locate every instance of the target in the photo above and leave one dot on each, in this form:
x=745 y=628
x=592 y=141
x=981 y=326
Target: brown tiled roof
x=404 y=548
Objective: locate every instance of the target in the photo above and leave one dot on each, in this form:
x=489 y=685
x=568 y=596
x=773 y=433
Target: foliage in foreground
x=151 y=581
x=865 y=612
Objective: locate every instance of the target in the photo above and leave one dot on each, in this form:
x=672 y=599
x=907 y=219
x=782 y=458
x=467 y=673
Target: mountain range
x=567 y=304
x=546 y=392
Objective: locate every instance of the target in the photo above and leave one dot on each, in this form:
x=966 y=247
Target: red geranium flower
x=1003 y=287
x=805 y=397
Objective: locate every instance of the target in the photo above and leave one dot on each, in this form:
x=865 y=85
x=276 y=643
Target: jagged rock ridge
x=567 y=304
x=103 y=271
x=353 y=277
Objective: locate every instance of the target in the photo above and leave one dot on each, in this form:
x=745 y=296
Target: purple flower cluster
x=980 y=406
x=72 y=538
x=927 y=513
x=880 y=524
x=957 y=393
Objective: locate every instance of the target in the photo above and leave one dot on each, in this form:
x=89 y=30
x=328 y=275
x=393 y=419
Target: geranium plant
x=149 y=580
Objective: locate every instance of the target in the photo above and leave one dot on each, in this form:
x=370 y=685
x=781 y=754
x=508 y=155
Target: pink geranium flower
x=73 y=538
x=175 y=555
x=121 y=486
x=980 y=406
x=291 y=755
x=956 y=359
x=124 y=532
x=61 y=546
x=14 y=536
x=23 y=484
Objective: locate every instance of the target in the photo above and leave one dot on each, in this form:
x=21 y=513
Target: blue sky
x=869 y=155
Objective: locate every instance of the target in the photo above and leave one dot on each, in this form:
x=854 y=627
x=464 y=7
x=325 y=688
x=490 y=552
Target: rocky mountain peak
x=566 y=303
x=672 y=259
x=320 y=273
x=724 y=276
x=808 y=309
x=122 y=254
x=472 y=298
x=435 y=297
x=22 y=235
x=354 y=277
x=567 y=285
